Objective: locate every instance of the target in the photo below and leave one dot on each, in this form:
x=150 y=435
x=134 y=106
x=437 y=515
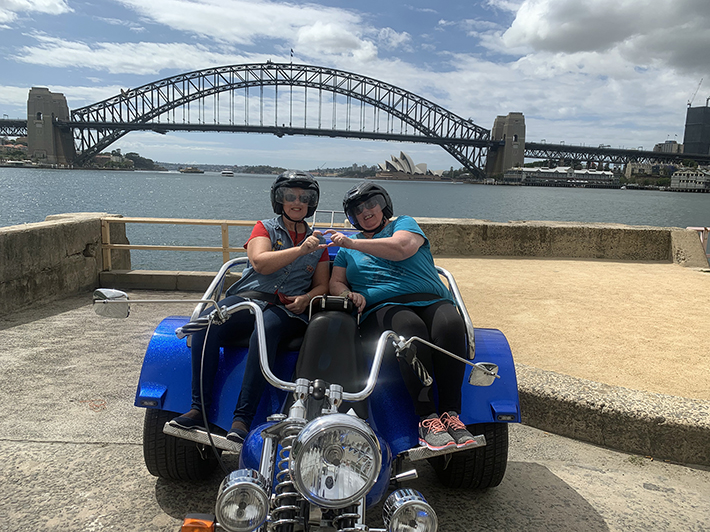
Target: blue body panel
x=167 y=373
x=165 y=383
x=393 y=413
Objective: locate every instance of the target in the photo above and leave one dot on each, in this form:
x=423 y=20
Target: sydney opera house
x=403 y=167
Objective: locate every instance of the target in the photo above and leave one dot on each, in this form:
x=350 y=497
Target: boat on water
x=227 y=173
x=191 y=170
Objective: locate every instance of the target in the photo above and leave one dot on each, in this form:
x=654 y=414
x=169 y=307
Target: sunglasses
x=369 y=204
x=307 y=197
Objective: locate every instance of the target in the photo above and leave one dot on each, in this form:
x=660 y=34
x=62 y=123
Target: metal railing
x=107 y=246
x=703 y=234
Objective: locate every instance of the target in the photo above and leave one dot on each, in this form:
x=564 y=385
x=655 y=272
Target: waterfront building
x=562 y=176
x=697 y=130
x=635 y=169
x=403 y=167
x=691 y=180
x=669 y=146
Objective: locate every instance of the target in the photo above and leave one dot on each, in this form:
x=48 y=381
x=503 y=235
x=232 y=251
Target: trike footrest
x=420 y=453
x=200 y=436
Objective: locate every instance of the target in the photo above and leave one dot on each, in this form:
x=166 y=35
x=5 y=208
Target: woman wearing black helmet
x=388 y=271
x=288 y=266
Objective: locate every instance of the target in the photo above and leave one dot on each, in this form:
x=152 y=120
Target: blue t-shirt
x=380 y=279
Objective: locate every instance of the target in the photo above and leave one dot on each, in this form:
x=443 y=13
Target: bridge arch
x=150 y=107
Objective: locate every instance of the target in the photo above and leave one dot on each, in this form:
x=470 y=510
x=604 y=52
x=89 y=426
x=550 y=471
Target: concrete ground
x=71 y=441
x=642 y=326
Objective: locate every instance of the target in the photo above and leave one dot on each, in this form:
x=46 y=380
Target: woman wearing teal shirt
x=387 y=270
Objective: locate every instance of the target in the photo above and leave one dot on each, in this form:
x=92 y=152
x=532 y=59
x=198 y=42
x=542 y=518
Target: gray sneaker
x=433 y=434
x=456 y=429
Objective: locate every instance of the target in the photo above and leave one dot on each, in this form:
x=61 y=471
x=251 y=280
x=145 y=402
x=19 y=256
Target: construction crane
x=690 y=102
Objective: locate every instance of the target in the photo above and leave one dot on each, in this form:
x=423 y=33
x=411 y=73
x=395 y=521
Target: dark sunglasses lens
x=367 y=204
x=308 y=197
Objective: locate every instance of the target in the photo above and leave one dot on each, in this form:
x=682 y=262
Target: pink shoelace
x=434 y=425
x=452 y=421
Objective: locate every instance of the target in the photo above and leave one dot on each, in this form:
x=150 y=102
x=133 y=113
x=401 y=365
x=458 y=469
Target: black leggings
x=439 y=323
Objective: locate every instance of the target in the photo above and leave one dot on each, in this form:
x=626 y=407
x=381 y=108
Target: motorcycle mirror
x=483 y=374
x=111 y=303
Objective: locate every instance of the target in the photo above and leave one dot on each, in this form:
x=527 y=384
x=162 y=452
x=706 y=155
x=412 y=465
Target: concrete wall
x=43 y=261
x=480 y=238
x=61 y=256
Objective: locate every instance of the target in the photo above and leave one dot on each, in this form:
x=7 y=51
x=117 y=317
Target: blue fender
x=392 y=412
x=166 y=377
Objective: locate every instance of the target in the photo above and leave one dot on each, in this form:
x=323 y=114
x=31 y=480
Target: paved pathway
x=643 y=326
x=72 y=439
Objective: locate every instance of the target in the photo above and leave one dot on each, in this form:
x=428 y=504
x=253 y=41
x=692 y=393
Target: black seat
x=292 y=344
x=331 y=352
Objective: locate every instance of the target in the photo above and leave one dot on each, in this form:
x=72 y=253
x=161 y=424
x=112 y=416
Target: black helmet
x=294 y=179
x=361 y=193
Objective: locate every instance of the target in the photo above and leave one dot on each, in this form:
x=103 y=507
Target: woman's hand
x=312 y=243
x=359 y=301
x=339 y=287
x=296 y=304
x=339 y=239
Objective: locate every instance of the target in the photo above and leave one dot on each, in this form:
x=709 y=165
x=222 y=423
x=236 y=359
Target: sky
x=615 y=72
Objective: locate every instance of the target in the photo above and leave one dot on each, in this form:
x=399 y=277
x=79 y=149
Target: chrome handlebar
x=215 y=288
x=288 y=386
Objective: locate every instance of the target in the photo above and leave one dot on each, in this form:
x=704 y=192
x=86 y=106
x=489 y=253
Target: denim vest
x=292 y=280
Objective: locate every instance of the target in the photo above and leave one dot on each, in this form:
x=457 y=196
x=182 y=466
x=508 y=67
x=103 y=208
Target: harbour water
x=29 y=195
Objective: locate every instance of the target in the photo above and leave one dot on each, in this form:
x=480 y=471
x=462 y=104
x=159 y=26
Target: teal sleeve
x=407 y=223
x=340 y=259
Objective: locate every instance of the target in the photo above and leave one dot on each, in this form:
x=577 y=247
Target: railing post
x=225 y=242
x=105 y=242
x=703 y=233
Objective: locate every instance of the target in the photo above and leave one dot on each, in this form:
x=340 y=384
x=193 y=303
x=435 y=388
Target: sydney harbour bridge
x=286 y=99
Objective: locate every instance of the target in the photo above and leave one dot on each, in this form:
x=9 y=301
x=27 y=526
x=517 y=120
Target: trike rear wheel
x=170 y=457
x=479 y=468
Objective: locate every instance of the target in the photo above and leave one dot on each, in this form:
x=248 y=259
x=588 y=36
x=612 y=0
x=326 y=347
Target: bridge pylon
x=46 y=141
x=508 y=147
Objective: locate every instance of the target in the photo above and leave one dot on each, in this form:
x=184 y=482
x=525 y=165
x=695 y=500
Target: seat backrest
x=331 y=351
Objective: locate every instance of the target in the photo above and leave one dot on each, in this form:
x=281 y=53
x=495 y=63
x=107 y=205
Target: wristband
x=345 y=293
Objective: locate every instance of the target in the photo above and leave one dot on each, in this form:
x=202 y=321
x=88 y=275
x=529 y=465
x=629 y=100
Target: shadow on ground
x=530 y=498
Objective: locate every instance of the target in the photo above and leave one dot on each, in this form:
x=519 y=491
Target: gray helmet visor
x=307 y=197
x=369 y=203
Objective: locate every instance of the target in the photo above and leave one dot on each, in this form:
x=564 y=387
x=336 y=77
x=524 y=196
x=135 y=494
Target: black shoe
x=238 y=432
x=187 y=423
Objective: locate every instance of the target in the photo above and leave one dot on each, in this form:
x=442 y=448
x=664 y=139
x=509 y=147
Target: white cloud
x=124 y=58
x=9 y=9
x=120 y=22
x=14 y=98
x=671 y=33
x=505 y=5
x=330 y=38
x=242 y=21
x=392 y=39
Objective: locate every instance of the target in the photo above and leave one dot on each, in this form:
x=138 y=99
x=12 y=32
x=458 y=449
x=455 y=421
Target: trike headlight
x=335 y=460
x=406 y=510
x=242 y=501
